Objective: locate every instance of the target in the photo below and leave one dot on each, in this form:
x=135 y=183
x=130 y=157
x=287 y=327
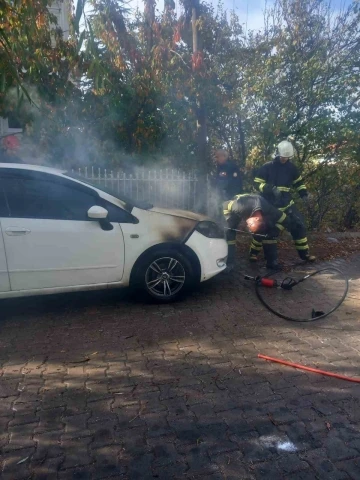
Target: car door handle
x=15 y=231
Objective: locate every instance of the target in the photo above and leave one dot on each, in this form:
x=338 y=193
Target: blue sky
x=250 y=11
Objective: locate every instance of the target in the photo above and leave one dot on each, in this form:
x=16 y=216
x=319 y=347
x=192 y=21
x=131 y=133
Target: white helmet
x=285 y=149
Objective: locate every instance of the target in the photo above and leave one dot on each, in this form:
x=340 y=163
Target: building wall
x=61 y=9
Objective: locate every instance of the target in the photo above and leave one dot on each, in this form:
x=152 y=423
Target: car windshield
x=129 y=202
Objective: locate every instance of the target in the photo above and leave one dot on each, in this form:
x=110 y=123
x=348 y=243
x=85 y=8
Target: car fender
x=176 y=247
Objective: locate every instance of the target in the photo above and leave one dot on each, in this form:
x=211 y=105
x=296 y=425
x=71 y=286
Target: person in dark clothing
x=228 y=181
x=275 y=180
x=262 y=219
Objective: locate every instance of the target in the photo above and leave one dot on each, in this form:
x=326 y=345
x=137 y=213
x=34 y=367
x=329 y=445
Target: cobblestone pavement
x=95 y=386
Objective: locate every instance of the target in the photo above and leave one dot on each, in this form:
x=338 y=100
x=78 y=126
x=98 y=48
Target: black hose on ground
x=315 y=315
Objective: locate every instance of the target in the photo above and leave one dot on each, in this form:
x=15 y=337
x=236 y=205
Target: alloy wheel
x=165 y=277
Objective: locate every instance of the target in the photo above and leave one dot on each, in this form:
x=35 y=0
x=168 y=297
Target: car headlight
x=210 y=229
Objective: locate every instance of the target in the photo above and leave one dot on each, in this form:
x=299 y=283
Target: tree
x=303 y=78
x=161 y=86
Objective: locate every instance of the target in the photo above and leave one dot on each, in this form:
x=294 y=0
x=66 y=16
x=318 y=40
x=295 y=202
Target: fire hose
x=246 y=232
x=289 y=284
x=309 y=369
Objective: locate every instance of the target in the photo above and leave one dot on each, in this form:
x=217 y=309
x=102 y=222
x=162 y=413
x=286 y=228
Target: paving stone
x=351 y=467
x=233 y=467
x=199 y=462
x=107 y=462
x=338 y=450
x=46 y=468
x=21 y=436
x=78 y=473
x=291 y=463
x=323 y=467
x=170 y=471
x=177 y=391
x=48 y=445
x=140 y=467
x=76 y=453
x=186 y=430
x=266 y=470
x=12 y=469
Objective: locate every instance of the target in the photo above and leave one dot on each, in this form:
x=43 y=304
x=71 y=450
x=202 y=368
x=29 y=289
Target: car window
x=117 y=214
x=37 y=198
x=129 y=202
x=4 y=211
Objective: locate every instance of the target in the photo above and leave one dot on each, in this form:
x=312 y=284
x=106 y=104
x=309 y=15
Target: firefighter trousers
x=298 y=231
x=294 y=223
x=269 y=245
x=277 y=221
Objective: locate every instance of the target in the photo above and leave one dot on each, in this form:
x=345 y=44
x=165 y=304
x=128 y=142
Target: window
x=14 y=121
x=117 y=214
x=4 y=212
x=42 y=198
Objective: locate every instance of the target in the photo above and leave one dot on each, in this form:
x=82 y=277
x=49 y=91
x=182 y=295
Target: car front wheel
x=166 y=276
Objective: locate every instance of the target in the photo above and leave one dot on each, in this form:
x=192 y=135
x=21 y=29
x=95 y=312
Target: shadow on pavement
x=101 y=386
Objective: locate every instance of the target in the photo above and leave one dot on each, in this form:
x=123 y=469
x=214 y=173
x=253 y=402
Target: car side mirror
x=99 y=213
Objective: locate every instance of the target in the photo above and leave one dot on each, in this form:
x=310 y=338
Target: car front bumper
x=211 y=252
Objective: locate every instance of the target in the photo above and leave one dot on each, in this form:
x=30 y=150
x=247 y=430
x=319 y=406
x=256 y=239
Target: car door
x=49 y=239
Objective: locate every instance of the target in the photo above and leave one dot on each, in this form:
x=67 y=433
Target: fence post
x=164 y=188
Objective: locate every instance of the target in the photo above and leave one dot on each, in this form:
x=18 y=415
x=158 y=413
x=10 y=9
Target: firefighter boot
x=270 y=253
x=302 y=247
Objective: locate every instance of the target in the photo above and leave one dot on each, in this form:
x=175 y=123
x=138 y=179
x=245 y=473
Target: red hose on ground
x=309 y=369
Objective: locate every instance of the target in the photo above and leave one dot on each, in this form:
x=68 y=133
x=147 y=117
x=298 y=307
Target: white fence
x=163 y=188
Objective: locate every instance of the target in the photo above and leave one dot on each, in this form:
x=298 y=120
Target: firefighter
x=274 y=180
x=262 y=219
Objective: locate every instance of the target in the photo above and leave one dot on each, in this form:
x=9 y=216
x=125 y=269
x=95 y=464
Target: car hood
x=198 y=217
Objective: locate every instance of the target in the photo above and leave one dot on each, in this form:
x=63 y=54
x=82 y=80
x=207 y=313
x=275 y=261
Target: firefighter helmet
x=285 y=149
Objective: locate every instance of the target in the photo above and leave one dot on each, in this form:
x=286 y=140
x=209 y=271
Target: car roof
x=36 y=168
x=129 y=204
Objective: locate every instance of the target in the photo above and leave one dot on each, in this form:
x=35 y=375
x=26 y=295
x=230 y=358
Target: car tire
x=165 y=275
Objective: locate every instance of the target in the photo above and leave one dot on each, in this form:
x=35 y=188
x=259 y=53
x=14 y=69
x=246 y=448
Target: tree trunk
x=201 y=133
x=149 y=11
x=194 y=30
x=242 y=148
x=201 y=125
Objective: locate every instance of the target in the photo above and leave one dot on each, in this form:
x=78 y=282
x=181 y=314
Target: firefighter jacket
x=228 y=180
x=244 y=206
x=283 y=176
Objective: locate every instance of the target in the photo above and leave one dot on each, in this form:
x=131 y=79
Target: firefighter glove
x=276 y=192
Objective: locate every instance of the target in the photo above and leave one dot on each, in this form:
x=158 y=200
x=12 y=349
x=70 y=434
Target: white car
x=61 y=234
